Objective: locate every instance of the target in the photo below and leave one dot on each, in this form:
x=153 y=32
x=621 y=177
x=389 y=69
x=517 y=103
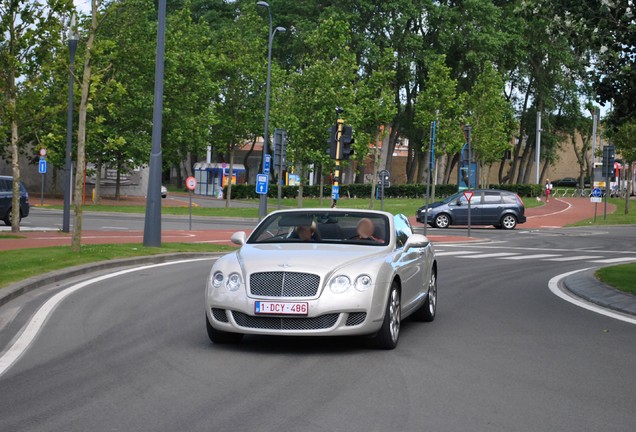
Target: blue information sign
x=335 y=192
x=42 y=166
x=268 y=164
x=261 y=183
x=597 y=193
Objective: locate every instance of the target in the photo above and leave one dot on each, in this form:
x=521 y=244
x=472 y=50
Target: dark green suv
x=6 y=199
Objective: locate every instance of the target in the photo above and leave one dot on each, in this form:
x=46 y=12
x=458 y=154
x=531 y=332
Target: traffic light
x=333 y=141
x=609 y=153
x=280 y=149
x=346 y=141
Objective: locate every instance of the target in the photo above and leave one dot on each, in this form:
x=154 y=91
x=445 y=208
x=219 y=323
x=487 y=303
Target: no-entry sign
x=191 y=183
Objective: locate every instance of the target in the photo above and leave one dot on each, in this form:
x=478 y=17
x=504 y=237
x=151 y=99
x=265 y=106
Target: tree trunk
x=228 y=196
x=81 y=132
x=522 y=129
x=118 y=180
x=12 y=111
x=98 y=182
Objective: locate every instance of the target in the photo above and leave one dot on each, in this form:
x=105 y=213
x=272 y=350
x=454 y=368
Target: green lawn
x=617 y=218
x=622 y=277
x=21 y=264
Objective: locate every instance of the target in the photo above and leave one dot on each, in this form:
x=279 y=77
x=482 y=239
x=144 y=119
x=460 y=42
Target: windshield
x=323 y=226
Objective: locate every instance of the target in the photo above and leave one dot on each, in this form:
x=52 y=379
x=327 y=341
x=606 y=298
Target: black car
x=503 y=209
x=6 y=199
x=566 y=182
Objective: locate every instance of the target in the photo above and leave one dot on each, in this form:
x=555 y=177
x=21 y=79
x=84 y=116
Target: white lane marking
x=614 y=260
x=523 y=257
x=553 y=284
x=569 y=206
x=574 y=258
x=34 y=326
x=491 y=255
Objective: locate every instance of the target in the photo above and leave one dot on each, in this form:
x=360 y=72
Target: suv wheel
x=442 y=220
x=509 y=221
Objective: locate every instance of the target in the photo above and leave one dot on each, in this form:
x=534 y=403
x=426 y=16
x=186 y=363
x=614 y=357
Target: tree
x=491 y=118
x=625 y=141
x=439 y=101
x=25 y=45
x=80 y=165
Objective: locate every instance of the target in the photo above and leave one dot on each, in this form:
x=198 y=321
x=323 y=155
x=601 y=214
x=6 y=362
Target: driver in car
x=365 y=230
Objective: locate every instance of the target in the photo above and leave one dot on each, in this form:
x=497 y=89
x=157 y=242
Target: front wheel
x=221 y=337
x=387 y=337
x=509 y=222
x=442 y=220
x=428 y=310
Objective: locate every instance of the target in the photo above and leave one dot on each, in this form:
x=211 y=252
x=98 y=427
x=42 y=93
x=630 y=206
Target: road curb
x=585 y=286
x=20 y=288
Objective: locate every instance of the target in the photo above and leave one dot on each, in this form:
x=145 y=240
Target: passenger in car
x=365 y=230
x=306 y=233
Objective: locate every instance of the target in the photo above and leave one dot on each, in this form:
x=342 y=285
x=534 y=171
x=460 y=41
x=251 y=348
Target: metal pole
x=538 y=155
x=72 y=45
x=467 y=130
x=152 y=224
x=594 y=131
x=262 y=208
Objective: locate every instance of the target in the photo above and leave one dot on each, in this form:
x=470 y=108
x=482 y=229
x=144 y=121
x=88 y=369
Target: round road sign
x=42 y=152
x=596 y=192
x=191 y=183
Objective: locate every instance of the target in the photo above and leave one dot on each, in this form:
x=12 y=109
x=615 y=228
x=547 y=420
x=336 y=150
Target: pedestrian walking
x=548 y=190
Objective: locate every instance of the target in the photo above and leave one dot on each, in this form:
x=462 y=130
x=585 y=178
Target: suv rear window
x=510 y=199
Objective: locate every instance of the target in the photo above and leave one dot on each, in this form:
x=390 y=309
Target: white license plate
x=281 y=308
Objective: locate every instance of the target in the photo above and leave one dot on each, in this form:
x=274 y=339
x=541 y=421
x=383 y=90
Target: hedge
x=247 y=191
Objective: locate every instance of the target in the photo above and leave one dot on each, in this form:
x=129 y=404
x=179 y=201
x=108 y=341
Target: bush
x=247 y=191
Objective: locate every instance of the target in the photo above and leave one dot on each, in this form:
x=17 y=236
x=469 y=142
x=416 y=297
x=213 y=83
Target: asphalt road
x=131 y=353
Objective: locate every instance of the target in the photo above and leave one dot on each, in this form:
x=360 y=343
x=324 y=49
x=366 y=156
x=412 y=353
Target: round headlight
x=339 y=284
x=363 y=282
x=234 y=281
x=217 y=279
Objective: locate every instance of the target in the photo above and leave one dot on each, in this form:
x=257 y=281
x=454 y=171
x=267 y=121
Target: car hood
x=432 y=205
x=305 y=257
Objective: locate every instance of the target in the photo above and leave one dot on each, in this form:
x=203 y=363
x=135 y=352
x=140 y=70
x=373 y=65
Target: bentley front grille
x=285 y=323
x=284 y=284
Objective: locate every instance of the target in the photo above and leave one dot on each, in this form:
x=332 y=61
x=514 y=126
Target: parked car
x=6 y=200
x=503 y=209
x=566 y=182
x=323 y=272
x=164 y=191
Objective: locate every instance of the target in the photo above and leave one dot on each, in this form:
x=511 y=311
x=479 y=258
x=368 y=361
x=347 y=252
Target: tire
x=221 y=337
x=428 y=310
x=389 y=334
x=442 y=220
x=508 y=221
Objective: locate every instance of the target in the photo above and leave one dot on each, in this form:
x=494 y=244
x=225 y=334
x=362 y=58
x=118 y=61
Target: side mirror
x=239 y=238
x=416 y=241
x=458 y=202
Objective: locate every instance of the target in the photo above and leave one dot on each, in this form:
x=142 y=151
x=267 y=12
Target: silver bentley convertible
x=323 y=272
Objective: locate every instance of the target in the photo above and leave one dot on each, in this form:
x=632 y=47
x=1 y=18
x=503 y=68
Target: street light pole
x=262 y=208
x=152 y=223
x=73 y=38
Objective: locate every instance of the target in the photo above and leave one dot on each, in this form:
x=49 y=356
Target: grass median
x=621 y=277
x=20 y=264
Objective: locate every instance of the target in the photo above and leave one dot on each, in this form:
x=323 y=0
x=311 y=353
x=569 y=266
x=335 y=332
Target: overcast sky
x=83 y=5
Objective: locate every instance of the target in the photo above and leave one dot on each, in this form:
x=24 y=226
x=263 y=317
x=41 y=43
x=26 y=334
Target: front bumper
x=351 y=313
